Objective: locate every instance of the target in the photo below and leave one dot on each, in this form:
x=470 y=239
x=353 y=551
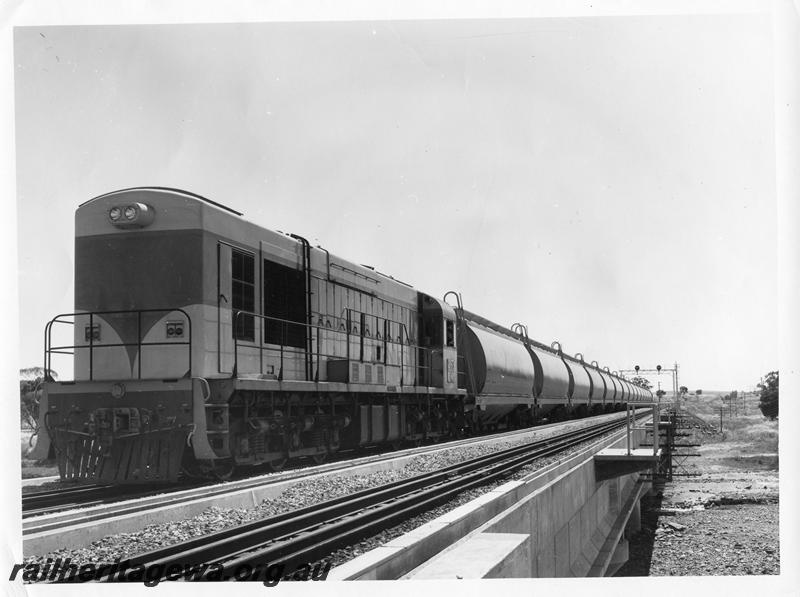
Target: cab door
x=450 y=355
x=437 y=344
x=236 y=305
x=224 y=303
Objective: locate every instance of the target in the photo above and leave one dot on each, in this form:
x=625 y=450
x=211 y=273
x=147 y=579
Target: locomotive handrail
x=47 y=327
x=206 y=387
x=282 y=349
x=49 y=349
x=462 y=326
x=307 y=271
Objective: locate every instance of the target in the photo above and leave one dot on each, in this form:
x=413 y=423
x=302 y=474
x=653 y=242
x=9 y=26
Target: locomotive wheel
x=277 y=464
x=320 y=458
x=190 y=468
x=223 y=470
x=192 y=471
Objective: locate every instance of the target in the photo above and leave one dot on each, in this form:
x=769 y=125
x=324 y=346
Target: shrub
x=768 y=403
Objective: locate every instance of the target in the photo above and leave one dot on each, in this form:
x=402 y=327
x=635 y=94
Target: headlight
x=133 y=215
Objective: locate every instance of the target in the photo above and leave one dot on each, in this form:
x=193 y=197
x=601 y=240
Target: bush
x=30 y=381
x=768 y=403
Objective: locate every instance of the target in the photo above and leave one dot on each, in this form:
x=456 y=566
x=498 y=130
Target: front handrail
x=49 y=349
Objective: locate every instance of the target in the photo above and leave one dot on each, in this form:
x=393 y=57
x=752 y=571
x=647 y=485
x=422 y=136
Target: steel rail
x=57 y=500
x=310 y=533
x=56 y=497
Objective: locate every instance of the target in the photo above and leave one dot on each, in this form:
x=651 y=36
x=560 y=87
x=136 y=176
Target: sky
x=609 y=181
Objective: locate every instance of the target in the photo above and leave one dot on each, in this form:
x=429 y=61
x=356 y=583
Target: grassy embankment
x=751 y=439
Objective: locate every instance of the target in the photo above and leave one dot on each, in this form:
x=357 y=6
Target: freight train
x=203 y=342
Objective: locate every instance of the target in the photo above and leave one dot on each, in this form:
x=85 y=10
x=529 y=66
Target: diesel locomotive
x=203 y=342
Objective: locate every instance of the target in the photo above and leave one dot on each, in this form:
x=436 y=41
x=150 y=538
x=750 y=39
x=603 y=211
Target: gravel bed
x=721 y=521
x=732 y=539
x=303 y=493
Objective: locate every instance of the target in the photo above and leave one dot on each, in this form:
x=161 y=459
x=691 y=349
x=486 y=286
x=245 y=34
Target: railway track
x=312 y=533
x=35 y=504
x=84 y=496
